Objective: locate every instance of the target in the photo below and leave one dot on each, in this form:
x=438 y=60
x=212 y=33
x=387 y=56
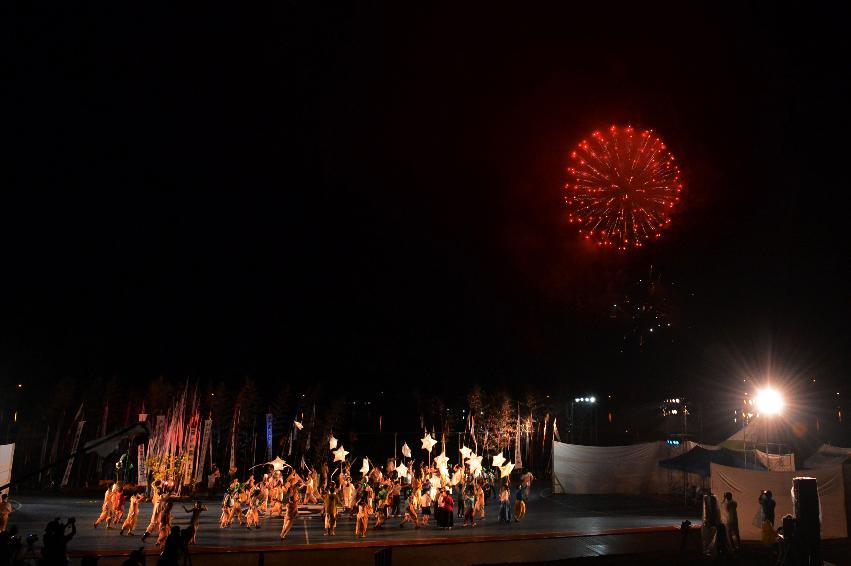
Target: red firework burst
x=623 y=187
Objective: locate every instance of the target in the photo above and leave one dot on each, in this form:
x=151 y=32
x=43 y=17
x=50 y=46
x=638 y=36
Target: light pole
x=582 y=401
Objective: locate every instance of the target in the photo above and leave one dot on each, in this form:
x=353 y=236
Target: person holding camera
x=56 y=541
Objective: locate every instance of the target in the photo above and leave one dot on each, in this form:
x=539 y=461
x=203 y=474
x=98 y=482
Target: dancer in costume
x=425 y=503
x=156 y=499
x=132 y=514
x=520 y=503
x=330 y=502
x=364 y=510
x=252 y=515
x=469 y=504
x=411 y=511
x=165 y=521
x=291 y=513
x=194 y=521
x=107 y=510
x=479 y=508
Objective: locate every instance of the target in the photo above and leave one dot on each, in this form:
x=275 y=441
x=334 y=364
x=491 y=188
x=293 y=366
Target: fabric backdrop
x=632 y=470
x=746 y=485
x=7 y=452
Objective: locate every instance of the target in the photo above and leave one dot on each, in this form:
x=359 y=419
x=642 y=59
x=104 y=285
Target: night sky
x=370 y=195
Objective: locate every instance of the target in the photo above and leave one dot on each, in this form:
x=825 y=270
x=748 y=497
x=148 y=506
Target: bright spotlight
x=769 y=401
x=592 y=399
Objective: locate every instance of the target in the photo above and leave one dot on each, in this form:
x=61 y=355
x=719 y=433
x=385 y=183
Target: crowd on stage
x=422 y=496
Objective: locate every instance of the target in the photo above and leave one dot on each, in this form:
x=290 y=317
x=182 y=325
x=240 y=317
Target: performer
x=469 y=503
x=364 y=510
x=5 y=510
x=130 y=522
x=411 y=511
x=252 y=515
x=310 y=491
x=156 y=499
x=165 y=520
x=118 y=500
x=396 y=496
x=505 y=504
x=527 y=483
x=519 y=503
x=479 y=508
x=194 y=521
x=425 y=503
x=330 y=503
x=108 y=507
x=291 y=513
x=348 y=493
x=227 y=511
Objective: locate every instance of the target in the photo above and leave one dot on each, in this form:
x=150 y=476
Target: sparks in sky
x=623 y=186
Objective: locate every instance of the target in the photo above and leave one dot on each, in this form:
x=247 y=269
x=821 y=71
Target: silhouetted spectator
x=56 y=542
x=136 y=558
x=173 y=549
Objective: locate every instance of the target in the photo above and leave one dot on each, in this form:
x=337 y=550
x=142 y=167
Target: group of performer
x=417 y=495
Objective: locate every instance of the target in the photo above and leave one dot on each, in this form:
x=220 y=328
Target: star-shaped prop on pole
x=441 y=460
x=505 y=470
x=498 y=460
x=365 y=468
x=332 y=443
x=406 y=450
x=340 y=454
x=465 y=452
x=475 y=463
x=278 y=464
x=402 y=470
x=428 y=442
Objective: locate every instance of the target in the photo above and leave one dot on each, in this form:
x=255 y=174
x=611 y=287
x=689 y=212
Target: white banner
x=187 y=474
x=76 y=443
x=205 y=441
x=142 y=477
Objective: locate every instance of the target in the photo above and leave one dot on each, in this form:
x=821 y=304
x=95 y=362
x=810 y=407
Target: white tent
x=776 y=462
x=632 y=470
x=827 y=456
x=746 y=485
x=7 y=453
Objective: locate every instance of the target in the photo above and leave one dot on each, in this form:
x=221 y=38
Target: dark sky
x=372 y=194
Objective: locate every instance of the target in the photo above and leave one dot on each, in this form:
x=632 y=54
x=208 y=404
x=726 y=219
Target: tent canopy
x=698 y=460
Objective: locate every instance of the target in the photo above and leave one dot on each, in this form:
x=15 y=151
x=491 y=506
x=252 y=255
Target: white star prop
x=278 y=464
x=465 y=452
x=475 y=463
x=365 y=468
x=505 y=470
x=498 y=460
x=332 y=443
x=340 y=454
x=428 y=442
x=406 y=450
x=441 y=460
x=434 y=480
x=402 y=470
x=298 y=425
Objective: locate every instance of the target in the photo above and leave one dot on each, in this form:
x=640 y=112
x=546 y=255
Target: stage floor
x=547 y=517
